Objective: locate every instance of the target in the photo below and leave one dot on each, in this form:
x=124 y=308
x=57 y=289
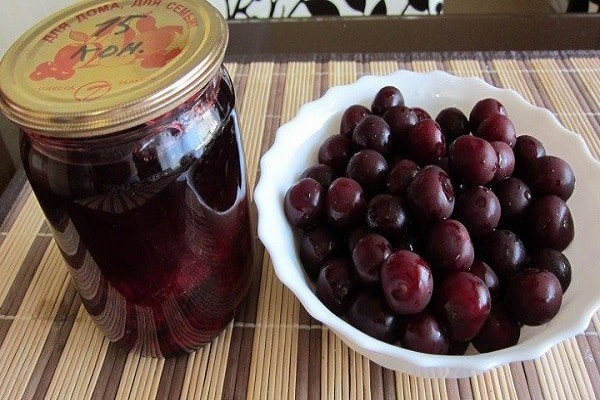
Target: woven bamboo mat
x=50 y=348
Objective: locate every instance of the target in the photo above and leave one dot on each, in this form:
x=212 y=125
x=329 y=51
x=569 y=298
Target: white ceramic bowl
x=295 y=148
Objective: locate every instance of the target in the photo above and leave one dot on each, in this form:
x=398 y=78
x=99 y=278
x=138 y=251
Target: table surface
x=514 y=31
x=50 y=348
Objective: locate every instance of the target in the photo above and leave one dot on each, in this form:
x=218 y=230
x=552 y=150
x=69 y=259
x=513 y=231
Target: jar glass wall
x=153 y=221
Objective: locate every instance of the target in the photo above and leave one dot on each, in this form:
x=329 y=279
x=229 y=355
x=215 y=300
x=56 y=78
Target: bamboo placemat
x=50 y=348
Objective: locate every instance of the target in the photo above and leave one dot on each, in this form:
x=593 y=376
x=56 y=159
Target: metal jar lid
x=100 y=67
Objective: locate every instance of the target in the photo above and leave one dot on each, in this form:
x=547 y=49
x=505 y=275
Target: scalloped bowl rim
x=320 y=118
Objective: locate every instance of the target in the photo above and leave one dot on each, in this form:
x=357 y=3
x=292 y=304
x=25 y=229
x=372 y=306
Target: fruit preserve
x=131 y=142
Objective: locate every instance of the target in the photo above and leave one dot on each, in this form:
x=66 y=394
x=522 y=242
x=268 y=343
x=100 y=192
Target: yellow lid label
x=95 y=65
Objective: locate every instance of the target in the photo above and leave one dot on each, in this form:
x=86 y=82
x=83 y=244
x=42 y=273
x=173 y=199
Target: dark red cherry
x=554 y=261
x=472 y=160
x=463 y=303
x=345 y=203
x=430 y=194
x=370 y=314
x=352 y=116
x=317 y=245
x=335 y=151
x=423 y=333
x=425 y=142
x=386 y=97
x=368 y=255
x=370 y=169
x=400 y=119
x=401 y=175
x=449 y=247
x=483 y=109
x=336 y=285
x=453 y=122
x=499 y=331
x=534 y=296
x=407 y=282
x=372 y=132
x=322 y=173
x=551 y=175
x=549 y=223
x=497 y=128
x=303 y=203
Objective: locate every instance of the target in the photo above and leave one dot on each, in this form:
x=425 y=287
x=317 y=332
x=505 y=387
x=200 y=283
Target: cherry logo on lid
x=117 y=41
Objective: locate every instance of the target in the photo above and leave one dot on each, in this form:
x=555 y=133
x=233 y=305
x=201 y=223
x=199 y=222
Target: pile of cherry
x=435 y=233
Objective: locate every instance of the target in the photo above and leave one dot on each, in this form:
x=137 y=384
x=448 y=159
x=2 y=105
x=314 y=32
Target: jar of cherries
x=130 y=140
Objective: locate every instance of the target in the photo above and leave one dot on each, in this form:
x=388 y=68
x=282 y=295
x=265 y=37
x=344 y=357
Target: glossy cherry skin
x=527 y=148
x=499 y=331
x=504 y=252
x=497 y=127
x=336 y=285
x=554 y=261
x=407 y=282
x=534 y=296
x=463 y=303
x=387 y=214
x=482 y=110
x=303 y=203
x=478 y=208
x=453 y=122
x=345 y=203
x=506 y=160
x=351 y=117
x=421 y=113
x=317 y=245
x=449 y=247
x=488 y=276
x=425 y=142
x=386 y=97
x=551 y=175
x=549 y=223
x=472 y=160
x=322 y=173
x=401 y=175
x=335 y=151
x=400 y=119
x=423 y=333
x=370 y=169
x=372 y=132
x=514 y=197
x=368 y=255
x=370 y=314
x=430 y=195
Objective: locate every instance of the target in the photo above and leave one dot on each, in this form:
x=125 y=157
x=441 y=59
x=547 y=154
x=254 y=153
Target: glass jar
x=133 y=151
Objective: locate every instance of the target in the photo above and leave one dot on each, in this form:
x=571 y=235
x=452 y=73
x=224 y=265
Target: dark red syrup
x=153 y=222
